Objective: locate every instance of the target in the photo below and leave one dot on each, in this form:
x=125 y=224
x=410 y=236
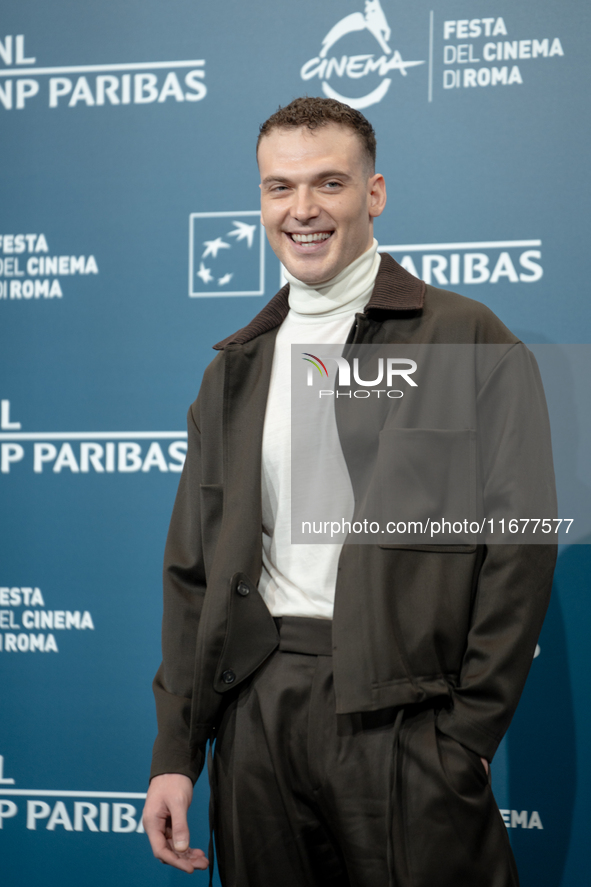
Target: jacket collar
x=395 y=289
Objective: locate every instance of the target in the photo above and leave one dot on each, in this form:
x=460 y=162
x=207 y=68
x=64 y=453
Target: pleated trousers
x=304 y=797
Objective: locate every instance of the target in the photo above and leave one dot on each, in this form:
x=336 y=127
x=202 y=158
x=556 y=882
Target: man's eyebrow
x=325 y=174
x=269 y=179
x=334 y=174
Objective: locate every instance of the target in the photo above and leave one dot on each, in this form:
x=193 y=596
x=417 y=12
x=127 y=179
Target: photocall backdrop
x=127 y=152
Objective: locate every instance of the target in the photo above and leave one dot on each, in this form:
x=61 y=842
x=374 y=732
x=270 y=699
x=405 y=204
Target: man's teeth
x=311 y=238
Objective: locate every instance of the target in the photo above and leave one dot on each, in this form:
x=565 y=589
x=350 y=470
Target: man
x=356 y=693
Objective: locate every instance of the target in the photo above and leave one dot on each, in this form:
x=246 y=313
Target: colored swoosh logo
x=315 y=362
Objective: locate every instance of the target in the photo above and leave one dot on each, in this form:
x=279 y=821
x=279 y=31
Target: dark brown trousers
x=308 y=798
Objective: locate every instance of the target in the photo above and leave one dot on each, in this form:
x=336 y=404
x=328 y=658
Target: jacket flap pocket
x=428 y=488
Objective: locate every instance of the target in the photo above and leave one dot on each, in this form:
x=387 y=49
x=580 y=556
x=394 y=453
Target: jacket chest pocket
x=429 y=496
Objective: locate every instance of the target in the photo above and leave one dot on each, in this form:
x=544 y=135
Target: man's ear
x=376 y=194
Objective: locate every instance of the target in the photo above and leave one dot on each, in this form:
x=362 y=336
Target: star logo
x=243 y=231
x=204 y=273
x=225 y=279
x=212 y=247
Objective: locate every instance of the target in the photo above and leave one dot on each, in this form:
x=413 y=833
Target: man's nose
x=304 y=206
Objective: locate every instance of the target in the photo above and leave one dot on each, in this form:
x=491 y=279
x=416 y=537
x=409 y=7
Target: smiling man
x=319 y=196
x=355 y=693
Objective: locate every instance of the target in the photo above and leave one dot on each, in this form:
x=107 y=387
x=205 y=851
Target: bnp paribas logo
x=226 y=254
x=350 y=59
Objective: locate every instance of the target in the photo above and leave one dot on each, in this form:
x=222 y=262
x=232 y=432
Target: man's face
x=318 y=199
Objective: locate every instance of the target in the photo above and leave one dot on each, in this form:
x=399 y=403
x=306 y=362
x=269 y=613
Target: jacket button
x=228 y=676
x=243 y=589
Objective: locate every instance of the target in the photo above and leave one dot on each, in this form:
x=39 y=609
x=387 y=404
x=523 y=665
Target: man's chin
x=310 y=273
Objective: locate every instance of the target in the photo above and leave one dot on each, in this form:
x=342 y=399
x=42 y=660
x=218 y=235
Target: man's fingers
x=156 y=837
x=186 y=863
x=196 y=857
x=190 y=860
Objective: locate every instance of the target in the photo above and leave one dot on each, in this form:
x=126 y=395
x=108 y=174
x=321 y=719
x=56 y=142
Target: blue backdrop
x=128 y=132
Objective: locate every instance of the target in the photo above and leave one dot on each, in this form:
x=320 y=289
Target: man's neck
x=343 y=293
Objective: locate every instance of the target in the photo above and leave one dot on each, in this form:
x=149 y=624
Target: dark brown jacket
x=410 y=622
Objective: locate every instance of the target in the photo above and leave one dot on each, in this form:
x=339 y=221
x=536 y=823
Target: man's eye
x=333 y=185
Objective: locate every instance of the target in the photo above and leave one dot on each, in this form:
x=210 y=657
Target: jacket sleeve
x=513 y=587
x=184 y=590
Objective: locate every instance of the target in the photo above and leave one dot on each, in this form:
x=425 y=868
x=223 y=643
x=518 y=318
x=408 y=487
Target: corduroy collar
x=395 y=289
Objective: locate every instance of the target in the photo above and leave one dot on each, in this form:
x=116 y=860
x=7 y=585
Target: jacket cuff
x=466 y=732
x=170 y=756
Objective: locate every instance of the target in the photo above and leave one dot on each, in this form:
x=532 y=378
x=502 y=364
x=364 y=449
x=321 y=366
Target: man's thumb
x=180 y=833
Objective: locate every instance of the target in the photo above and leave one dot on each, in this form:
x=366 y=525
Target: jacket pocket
x=462 y=767
x=428 y=488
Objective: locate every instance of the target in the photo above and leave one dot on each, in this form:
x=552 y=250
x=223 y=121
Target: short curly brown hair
x=312 y=112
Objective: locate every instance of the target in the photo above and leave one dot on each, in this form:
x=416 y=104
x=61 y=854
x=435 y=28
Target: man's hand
x=485 y=765
x=165 y=822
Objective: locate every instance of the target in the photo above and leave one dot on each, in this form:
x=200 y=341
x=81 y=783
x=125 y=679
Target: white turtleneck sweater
x=299 y=580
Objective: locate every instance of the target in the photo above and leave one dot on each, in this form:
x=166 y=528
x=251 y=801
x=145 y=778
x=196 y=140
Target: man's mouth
x=317 y=237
